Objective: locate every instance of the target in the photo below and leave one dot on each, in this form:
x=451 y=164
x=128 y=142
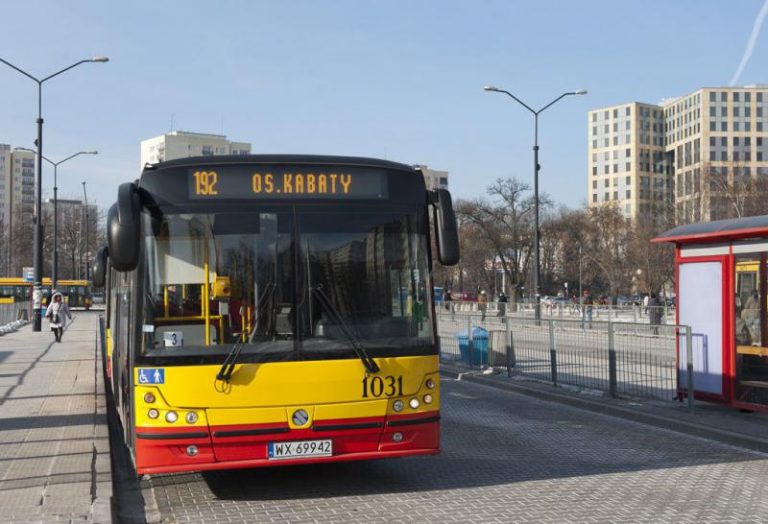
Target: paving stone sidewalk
x=709 y=420
x=54 y=443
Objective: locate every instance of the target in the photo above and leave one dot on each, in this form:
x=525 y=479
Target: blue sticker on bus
x=151 y=376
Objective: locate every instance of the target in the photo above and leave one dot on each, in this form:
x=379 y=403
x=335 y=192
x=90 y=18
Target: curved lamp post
x=55 y=272
x=536 y=167
x=37 y=294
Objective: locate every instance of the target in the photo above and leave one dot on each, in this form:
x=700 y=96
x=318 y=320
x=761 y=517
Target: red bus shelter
x=722 y=293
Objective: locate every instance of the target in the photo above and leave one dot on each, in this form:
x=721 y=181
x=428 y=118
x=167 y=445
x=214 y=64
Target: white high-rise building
x=17 y=207
x=183 y=144
x=434 y=179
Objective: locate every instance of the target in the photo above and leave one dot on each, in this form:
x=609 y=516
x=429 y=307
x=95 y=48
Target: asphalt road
x=506 y=458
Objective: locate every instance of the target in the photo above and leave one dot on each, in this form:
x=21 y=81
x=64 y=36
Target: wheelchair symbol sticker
x=151 y=376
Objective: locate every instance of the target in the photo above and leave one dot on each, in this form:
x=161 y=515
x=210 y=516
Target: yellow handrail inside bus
x=242 y=326
x=165 y=300
x=206 y=305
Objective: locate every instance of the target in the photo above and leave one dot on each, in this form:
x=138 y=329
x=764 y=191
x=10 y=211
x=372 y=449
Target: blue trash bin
x=479 y=346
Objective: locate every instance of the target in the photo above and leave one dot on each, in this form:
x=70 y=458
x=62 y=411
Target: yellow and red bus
x=269 y=310
x=77 y=293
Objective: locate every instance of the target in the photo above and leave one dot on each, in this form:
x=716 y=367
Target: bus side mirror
x=446 y=229
x=99 y=272
x=124 y=228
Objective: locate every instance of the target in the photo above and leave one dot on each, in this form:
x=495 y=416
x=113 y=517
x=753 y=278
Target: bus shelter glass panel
x=750 y=315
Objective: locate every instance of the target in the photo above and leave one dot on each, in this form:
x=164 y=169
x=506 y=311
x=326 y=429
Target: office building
x=703 y=154
x=182 y=144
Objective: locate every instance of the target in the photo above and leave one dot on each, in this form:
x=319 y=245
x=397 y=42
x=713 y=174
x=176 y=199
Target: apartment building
x=182 y=144
x=627 y=161
x=17 y=206
x=433 y=178
x=692 y=154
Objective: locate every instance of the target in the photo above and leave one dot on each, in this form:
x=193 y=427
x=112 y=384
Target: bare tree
x=506 y=223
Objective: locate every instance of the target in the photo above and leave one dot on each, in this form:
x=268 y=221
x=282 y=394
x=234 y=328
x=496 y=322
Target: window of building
x=628 y=166
x=615 y=195
x=594 y=197
x=627 y=111
x=629 y=193
x=605 y=183
x=628 y=180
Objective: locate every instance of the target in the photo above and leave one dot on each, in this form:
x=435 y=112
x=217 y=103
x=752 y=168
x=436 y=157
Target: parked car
x=621 y=300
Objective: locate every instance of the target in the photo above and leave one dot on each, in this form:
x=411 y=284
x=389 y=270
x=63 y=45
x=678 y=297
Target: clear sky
x=396 y=79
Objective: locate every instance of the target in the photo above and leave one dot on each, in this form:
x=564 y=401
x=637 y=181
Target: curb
x=607 y=408
x=101 y=467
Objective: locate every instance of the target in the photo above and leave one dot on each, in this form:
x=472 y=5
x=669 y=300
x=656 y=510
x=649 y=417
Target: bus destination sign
x=262 y=182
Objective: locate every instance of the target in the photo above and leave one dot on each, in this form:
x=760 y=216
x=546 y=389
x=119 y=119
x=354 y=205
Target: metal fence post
x=552 y=352
x=470 y=342
x=634 y=313
x=511 y=359
x=612 y=381
x=689 y=362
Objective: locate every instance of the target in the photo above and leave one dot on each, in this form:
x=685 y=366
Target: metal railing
x=566 y=310
x=13 y=315
x=625 y=359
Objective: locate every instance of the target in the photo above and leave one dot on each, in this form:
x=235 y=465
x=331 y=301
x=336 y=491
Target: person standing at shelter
x=55 y=314
x=482 y=304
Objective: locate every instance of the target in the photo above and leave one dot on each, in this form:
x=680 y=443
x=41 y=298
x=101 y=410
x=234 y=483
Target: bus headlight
x=149 y=398
x=427 y=399
x=153 y=413
x=171 y=417
x=430 y=383
x=414 y=403
x=398 y=405
x=191 y=417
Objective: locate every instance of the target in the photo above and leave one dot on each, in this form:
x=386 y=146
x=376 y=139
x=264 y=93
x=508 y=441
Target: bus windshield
x=287 y=283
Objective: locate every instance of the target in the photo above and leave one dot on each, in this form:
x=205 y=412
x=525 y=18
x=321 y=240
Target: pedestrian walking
x=56 y=313
x=654 y=313
x=586 y=309
x=447 y=300
x=502 y=304
x=482 y=304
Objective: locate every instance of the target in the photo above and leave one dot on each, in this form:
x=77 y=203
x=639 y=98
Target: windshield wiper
x=357 y=346
x=228 y=367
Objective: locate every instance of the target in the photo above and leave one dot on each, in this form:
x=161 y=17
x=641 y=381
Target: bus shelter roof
x=717 y=231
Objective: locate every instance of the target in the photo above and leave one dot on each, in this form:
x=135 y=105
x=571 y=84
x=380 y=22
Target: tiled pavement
x=506 y=457
x=54 y=447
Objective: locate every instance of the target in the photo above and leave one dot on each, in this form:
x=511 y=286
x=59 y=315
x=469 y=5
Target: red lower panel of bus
x=165 y=450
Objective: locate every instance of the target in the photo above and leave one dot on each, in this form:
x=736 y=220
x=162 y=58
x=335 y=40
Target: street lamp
x=37 y=295
x=536 y=167
x=55 y=272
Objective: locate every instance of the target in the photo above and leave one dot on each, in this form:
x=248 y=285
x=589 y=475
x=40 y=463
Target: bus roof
x=314 y=160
